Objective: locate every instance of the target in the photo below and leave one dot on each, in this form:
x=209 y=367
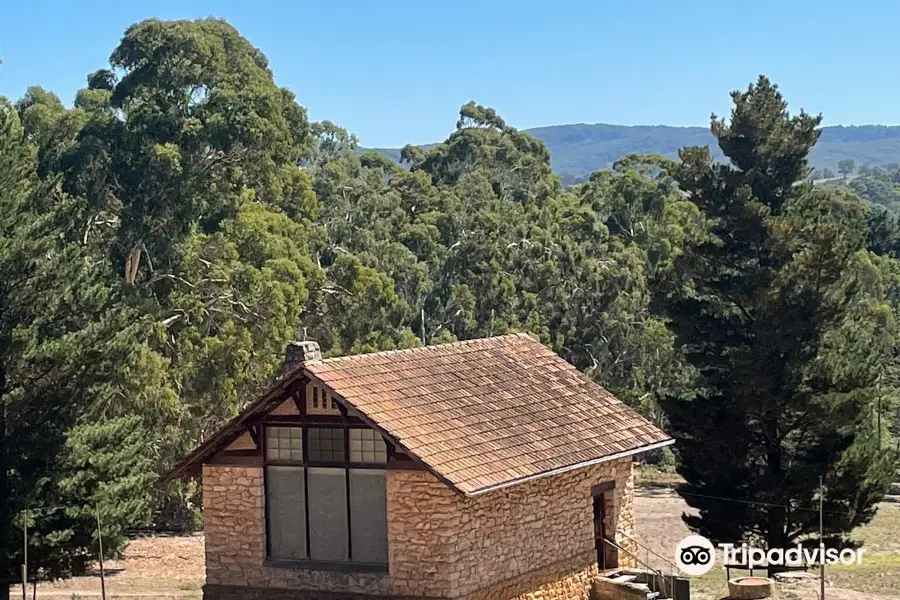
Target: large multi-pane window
x=325 y=494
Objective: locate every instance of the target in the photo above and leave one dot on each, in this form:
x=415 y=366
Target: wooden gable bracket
x=300 y=401
x=289 y=401
x=191 y=465
x=253 y=430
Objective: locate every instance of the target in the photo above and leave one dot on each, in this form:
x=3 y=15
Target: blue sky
x=397 y=72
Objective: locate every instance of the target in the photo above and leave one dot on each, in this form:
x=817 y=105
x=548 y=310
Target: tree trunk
x=776 y=536
x=132 y=263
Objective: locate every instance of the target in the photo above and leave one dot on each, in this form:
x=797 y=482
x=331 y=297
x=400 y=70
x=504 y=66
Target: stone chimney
x=298 y=353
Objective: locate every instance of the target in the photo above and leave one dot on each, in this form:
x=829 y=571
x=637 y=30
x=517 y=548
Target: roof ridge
x=458 y=343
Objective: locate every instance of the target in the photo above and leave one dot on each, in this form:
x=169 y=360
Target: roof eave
x=587 y=463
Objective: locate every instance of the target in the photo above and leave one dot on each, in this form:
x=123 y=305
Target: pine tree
x=104 y=470
x=61 y=336
x=781 y=311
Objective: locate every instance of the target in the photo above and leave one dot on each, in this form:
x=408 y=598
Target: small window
x=284 y=443
x=367 y=446
x=325 y=444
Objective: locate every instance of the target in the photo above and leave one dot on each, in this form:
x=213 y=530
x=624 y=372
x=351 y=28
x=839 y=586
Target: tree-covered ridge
x=880 y=185
x=580 y=149
x=163 y=239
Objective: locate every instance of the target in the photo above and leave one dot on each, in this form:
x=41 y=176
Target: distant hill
x=578 y=150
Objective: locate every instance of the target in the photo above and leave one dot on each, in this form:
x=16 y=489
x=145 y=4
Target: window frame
x=346 y=465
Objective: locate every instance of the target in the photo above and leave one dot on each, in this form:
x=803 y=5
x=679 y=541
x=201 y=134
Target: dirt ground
x=153 y=568
x=169 y=568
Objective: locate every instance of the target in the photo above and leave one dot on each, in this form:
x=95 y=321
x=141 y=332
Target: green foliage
x=783 y=314
x=105 y=466
x=880 y=185
x=168 y=148
x=63 y=329
x=479 y=238
x=190 y=178
x=846 y=166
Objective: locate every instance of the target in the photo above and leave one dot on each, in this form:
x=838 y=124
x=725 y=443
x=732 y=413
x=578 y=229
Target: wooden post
x=100 y=542
x=25 y=557
x=821 y=542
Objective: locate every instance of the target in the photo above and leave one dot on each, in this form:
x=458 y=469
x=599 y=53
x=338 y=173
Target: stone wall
x=233 y=523
x=530 y=540
x=566 y=580
x=424 y=517
x=626 y=535
x=538 y=523
x=604 y=589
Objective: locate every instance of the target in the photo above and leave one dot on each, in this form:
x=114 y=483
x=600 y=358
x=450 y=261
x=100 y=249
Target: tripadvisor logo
x=696 y=555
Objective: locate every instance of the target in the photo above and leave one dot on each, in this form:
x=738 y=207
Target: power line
x=757 y=503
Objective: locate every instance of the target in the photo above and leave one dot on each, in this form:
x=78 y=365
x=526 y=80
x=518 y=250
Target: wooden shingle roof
x=488 y=413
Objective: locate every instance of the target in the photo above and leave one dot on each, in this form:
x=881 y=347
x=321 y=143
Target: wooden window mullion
x=306 y=491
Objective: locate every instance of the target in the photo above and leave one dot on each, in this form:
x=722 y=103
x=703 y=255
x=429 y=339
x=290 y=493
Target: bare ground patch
x=153 y=568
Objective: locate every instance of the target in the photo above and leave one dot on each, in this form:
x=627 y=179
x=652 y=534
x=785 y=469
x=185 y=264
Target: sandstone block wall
x=232 y=523
x=527 y=541
x=424 y=517
x=521 y=529
x=626 y=535
x=567 y=580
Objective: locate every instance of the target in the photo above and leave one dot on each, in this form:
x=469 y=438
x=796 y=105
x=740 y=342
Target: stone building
x=487 y=469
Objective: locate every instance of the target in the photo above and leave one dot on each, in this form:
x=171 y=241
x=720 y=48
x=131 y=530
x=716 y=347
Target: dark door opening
x=607 y=555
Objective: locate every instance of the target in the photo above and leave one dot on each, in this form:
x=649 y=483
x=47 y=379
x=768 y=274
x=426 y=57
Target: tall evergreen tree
x=780 y=310
x=61 y=335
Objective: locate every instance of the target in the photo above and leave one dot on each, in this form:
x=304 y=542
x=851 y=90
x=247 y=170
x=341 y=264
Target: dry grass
x=879 y=572
x=650 y=477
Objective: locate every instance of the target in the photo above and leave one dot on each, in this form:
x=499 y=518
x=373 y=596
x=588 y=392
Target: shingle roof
x=487 y=413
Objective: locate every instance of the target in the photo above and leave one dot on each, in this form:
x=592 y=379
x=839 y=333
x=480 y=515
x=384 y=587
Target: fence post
x=100 y=542
x=25 y=556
